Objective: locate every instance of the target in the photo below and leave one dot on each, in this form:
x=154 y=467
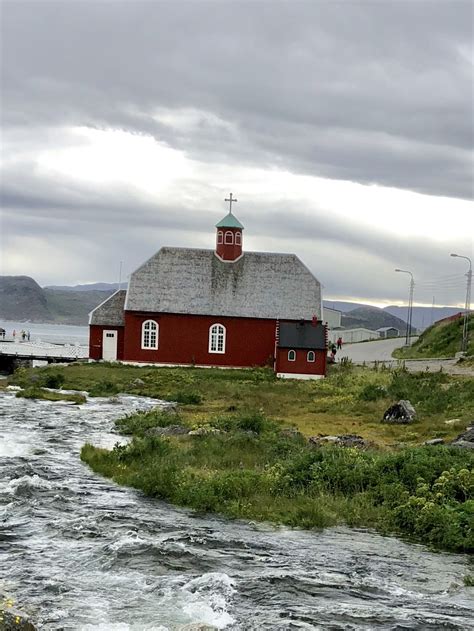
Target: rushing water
x=79 y=552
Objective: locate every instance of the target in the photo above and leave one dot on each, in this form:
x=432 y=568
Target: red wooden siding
x=184 y=339
x=301 y=365
x=95 y=340
x=226 y=251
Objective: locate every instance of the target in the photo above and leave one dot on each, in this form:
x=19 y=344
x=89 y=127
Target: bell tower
x=229 y=236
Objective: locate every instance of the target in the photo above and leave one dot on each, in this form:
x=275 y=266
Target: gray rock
x=401 y=413
x=171 y=408
x=344 y=440
x=137 y=382
x=434 y=441
x=465 y=440
x=204 y=431
x=170 y=430
x=291 y=432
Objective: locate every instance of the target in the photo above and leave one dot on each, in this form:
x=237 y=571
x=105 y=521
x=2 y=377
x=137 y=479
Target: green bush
x=186 y=398
x=53 y=380
x=372 y=392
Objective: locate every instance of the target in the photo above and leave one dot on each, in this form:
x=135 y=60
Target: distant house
x=223 y=307
x=388 y=331
x=332 y=317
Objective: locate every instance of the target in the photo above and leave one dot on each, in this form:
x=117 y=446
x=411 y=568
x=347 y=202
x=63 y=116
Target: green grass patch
x=41 y=393
x=439 y=341
x=426 y=494
x=351 y=400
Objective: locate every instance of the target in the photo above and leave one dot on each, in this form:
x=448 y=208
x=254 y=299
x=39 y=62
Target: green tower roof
x=229 y=221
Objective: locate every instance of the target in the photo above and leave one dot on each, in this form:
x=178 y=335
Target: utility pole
x=410 y=305
x=467 y=306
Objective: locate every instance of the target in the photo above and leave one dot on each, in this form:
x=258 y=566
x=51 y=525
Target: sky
x=343 y=128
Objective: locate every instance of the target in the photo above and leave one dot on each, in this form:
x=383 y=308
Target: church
x=223 y=307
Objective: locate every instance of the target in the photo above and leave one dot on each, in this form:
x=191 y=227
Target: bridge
x=16 y=354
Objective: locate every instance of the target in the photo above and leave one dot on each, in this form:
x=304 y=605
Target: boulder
x=170 y=430
x=465 y=440
x=401 y=413
x=197 y=626
x=205 y=431
x=344 y=440
x=434 y=441
x=137 y=383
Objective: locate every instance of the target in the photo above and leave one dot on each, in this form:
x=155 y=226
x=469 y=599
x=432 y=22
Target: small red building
x=222 y=307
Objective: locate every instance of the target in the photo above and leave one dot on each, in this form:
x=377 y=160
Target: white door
x=109 y=345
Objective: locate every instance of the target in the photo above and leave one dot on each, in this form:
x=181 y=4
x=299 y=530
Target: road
x=381 y=351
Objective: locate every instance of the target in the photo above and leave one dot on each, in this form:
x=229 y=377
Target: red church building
x=223 y=307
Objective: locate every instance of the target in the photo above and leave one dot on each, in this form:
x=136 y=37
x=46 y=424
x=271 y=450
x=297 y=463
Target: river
x=79 y=552
x=54 y=333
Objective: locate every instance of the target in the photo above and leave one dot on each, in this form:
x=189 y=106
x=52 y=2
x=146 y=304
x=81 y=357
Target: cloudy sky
x=345 y=130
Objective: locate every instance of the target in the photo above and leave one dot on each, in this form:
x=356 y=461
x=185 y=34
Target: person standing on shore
x=339 y=343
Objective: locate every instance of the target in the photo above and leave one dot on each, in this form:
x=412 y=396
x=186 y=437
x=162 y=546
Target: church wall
x=184 y=339
x=95 y=340
x=301 y=365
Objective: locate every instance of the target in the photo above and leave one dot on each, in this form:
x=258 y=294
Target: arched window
x=229 y=238
x=150 y=334
x=238 y=238
x=291 y=356
x=217 y=338
x=311 y=357
x=220 y=237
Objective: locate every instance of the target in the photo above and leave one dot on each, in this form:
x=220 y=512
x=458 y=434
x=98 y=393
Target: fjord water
x=79 y=552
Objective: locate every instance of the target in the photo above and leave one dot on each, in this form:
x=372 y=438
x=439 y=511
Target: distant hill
x=22 y=299
x=422 y=317
x=372 y=318
x=22 y=296
x=111 y=287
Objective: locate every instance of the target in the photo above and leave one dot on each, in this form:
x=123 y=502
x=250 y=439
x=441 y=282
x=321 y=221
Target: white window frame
x=238 y=238
x=313 y=354
x=291 y=358
x=220 y=237
x=147 y=332
x=231 y=236
x=217 y=338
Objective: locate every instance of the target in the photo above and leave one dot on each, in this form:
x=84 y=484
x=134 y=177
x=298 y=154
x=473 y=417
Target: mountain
x=22 y=299
x=423 y=317
x=372 y=318
x=110 y=287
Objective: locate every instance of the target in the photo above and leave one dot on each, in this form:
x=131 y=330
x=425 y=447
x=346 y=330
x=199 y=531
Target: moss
x=41 y=393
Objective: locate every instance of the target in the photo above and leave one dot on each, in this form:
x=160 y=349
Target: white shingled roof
x=192 y=281
x=110 y=311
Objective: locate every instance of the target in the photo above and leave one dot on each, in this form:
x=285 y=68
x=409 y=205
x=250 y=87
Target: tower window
x=229 y=238
x=150 y=335
x=217 y=334
x=311 y=357
x=238 y=238
x=220 y=237
x=291 y=356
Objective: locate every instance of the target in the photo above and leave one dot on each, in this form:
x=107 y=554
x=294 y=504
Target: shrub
x=186 y=398
x=53 y=380
x=105 y=388
x=372 y=392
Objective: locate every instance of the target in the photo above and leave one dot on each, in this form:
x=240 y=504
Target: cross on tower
x=230 y=200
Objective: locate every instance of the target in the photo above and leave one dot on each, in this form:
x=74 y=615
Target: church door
x=109 y=345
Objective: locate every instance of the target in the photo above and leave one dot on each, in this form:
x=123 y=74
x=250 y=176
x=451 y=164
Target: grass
x=439 y=341
x=350 y=401
x=252 y=469
x=47 y=395
x=423 y=493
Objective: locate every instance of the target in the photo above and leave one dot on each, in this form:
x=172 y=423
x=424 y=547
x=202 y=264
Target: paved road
x=381 y=351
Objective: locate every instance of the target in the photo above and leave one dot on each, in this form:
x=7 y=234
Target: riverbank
x=240 y=446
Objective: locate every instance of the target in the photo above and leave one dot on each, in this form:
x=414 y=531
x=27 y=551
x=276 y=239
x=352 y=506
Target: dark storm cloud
x=371 y=92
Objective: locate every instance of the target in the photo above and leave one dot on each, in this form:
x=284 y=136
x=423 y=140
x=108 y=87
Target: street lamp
x=467 y=308
x=410 y=305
